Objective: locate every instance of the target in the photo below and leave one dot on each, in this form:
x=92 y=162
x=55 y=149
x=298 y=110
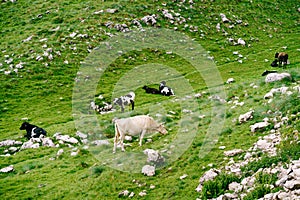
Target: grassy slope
x=43 y=93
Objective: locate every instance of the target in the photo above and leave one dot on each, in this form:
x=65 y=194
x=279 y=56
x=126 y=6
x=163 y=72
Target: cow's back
x=135 y=125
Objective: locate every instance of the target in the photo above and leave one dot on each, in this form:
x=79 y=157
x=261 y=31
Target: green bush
x=218 y=186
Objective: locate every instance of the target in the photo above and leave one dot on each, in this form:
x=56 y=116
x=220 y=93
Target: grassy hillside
x=45 y=46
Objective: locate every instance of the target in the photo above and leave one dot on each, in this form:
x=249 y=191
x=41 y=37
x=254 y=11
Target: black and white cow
x=165 y=90
x=151 y=90
x=32 y=131
x=125 y=100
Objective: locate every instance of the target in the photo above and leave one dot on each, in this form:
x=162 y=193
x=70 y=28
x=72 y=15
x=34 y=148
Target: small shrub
x=258 y=192
x=226 y=131
x=218 y=186
x=98 y=170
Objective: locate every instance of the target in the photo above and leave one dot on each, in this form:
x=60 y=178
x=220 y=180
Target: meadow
x=55 y=58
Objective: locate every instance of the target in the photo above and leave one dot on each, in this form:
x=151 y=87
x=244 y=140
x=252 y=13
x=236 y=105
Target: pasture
x=58 y=56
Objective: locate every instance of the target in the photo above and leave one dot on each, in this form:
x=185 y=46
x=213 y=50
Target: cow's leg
x=142 y=136
x=122 y=108
x=122 y=142
x=132 y=104
x=115 y=144
x=116 y=138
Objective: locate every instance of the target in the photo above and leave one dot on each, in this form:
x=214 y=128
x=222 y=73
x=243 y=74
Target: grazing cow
x=274 y=63
x=165 y=90
x=32 y=131
x=282 y=58
x=125 y=100
x=141 y=124
x=151 y=90
x=266 y=72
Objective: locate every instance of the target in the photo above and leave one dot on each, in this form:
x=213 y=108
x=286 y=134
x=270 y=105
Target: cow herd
x=141 y=124
x=137 y=125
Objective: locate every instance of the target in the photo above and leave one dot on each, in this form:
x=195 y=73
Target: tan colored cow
x=137 y=125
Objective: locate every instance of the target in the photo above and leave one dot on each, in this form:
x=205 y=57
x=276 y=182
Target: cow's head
x=161 y=128
x=24 y=126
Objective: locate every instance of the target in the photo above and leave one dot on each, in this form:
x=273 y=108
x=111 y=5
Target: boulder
x=272 y=77
x=148 y=170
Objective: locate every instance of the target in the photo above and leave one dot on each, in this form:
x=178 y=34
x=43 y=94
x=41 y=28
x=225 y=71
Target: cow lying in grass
x=137 y=125
x=125 y=100
x=165 y=90
x=151 y=90
x=32 y=131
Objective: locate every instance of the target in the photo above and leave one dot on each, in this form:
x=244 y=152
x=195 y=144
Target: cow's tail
x=117 y=133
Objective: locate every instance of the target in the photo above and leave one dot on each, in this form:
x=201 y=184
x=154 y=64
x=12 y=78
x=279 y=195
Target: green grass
x=42 y=91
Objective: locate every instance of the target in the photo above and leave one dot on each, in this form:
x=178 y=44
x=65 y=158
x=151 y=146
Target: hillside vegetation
x=55 y=59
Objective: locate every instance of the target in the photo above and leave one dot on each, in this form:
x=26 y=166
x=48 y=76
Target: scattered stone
x=183 y=176
x=100 y=142
x=9 y=143
x=7 y=169
x=272 y=77
x=245 y=117
x=124 y=193
x=59 y=153
x=258 y=126
x=148 y=170
x=143 y=193
x=230 y=80
x=154 y=156
x=233 y=152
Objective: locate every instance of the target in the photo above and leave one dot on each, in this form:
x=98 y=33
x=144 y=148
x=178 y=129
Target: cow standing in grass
x=282 y=58
x=137 y=125
x=125 y=100
x=32 y=131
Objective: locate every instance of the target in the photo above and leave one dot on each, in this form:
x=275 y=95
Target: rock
x=245 y=117
x=224 y=18
x=128 y=138
x=272 y=77
x=209 y=175
x=236 y=187
x=131 y=194
x=183 y=176
x=292 y=184
x=59 y=152
x=124 y=193
x=74 y=153
x=258 y=126
x=47 y=142
x=233 y=152
x=148 y=170
x=8 y=169
x=230 y=80
x=9 y=143
x=66 y=138
x=241 y=42
x=143 y=193
x=30 y=145
x=100 y=142
x=81 y=135
x=13 y=149
x=154 y=156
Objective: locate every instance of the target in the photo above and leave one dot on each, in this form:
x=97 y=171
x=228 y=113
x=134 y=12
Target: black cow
x=274 y=63
x=151 y=90
x=32 y=131
x=266 y=72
